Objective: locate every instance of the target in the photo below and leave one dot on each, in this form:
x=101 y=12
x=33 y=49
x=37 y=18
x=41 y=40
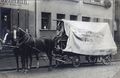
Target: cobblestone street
x=85 y=71
x=8 y=65
x=8 y=70
x=80 y=37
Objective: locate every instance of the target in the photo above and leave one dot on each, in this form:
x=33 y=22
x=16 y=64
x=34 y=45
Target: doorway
x=5 y=20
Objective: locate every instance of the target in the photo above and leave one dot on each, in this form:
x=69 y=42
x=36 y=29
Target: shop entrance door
x=5 y=20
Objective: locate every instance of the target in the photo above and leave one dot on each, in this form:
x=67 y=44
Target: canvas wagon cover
x=89 y=38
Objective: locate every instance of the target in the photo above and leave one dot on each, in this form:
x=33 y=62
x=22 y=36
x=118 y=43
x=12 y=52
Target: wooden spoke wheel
x=92 y=59
x=1 y=44
x=106 y=59
x=58 y=61
x=76 y=61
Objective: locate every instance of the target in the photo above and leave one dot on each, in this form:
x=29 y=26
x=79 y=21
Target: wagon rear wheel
x=106 y=59
x=0 y=44
x=58 y=63
x=76 y=61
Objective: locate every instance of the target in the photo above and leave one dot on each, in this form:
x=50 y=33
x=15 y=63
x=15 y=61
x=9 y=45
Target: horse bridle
x=26 y=36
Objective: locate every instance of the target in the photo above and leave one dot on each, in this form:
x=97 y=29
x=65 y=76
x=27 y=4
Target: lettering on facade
x=14 y=2
x=64 y=0
x=103 y=3
x=74 y=0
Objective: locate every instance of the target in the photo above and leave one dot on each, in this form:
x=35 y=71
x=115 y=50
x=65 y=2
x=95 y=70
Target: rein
x=25 y=38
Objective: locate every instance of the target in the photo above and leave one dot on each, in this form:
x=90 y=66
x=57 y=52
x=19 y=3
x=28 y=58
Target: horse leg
x=26 y=64
x=17 y=61
x=50 y=61
x=30 y=62
x=17 y=58
x=23 y=62
x=37 y=58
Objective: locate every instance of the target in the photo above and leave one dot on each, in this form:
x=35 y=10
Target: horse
x=27 y=45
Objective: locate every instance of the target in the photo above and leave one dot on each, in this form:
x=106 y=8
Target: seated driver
x=60 y=33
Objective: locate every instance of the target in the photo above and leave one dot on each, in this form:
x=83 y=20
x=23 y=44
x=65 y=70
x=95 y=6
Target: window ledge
x=47 y=30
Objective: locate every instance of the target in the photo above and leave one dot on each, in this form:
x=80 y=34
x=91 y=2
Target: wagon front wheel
x=1 y=44
x=92 y=59
x=76 y=61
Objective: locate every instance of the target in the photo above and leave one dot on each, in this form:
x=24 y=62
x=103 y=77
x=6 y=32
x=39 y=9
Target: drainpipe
x=113 y=18
x=35 y=18
x=18 y=11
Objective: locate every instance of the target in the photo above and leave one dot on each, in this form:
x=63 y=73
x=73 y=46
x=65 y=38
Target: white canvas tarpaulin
x=89 y=38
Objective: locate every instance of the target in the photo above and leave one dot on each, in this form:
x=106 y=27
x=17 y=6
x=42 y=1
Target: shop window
x=87 y=19
x=107 y=20
x=73 y=17
x=60 y=16
x=96 y=19
x=96 y=0
x=46 y=20
x=74 y=0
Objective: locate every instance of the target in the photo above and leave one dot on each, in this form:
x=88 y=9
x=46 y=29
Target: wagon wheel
x=76 y=61
x=106 y=60
x=92 y=59
x=0 y=44
x=58 y=61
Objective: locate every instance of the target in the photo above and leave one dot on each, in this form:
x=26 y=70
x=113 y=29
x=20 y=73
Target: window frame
x=74 y=16
x=46 y=16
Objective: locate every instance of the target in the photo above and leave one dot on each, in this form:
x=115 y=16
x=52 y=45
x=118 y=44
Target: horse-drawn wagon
x=75 y=39
x=91 y=40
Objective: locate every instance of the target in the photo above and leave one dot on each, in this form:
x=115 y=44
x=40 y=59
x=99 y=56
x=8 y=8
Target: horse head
x=17 y=35
x=22 y=36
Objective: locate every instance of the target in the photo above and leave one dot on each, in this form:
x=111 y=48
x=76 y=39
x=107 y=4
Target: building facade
x=117 y=19
x=13 y=13
x=82 y=10
x=38 y=16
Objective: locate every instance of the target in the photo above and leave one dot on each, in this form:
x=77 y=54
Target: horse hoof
x=29 y=67
x=37 y=67
x=18 y=70
x=26 y=71
x=38 y=64
x=50 y=69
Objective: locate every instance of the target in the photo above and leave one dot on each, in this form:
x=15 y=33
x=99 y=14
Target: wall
x=0 y=23
x=54 y=7
x=96 y=11
x=32 y=27
x=117 y=18
x=72 y=8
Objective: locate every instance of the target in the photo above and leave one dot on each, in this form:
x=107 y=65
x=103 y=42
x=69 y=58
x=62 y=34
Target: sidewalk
x=117 y=75
x=98 y=71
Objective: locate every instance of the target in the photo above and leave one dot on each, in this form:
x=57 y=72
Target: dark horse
x=26 y=46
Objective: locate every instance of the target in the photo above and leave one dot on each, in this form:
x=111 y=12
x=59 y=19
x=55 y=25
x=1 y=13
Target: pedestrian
x=6 y=35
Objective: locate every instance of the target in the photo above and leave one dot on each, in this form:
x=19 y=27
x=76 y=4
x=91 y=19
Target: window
x=107 y=20
x=96 y=0
x=87 y=19
x=14 y=1
x=60 y=16
x=96 y=19
x=46 y=20
x=73 y=0
x=87 y=1
x=73 y=17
